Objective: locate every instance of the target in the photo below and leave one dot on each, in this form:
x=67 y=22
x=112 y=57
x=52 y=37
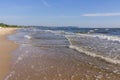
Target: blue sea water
x=57 y=51
x=110 y=31
x=97 y=42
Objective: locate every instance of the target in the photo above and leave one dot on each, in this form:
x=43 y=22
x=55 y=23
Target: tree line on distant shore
x=6 y=25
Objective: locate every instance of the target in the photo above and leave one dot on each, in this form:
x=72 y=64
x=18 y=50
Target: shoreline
x=6 y=48
x=53 y=62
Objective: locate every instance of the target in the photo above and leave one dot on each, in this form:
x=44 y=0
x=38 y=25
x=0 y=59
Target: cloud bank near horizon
x=101 y=14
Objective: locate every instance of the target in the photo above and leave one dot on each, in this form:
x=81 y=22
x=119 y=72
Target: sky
x=82 y=13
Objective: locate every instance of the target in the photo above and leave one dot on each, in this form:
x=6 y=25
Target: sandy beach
x=6 y=47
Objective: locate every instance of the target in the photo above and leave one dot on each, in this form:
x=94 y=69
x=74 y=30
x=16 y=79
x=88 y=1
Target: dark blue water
x=109 y=31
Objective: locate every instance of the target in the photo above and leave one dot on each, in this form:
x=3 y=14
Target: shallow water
x=56 y=64
x=45 y=55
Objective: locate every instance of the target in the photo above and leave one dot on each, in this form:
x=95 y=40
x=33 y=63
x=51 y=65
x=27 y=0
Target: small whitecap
x=27 y=36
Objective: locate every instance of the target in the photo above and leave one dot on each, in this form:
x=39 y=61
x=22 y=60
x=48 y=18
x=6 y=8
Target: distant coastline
x=3 y=25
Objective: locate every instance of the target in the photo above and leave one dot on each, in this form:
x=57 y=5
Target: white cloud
x=45 y=3
x=102 y=14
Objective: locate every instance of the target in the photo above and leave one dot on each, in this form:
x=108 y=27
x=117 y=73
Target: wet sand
x=58 y=64
x=6 y=47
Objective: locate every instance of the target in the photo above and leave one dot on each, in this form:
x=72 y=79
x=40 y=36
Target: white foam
x=95 y=55
x=102 y=36
x=27 y=36
x=92 y=54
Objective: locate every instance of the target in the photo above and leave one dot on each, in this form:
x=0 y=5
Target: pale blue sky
x=83 y=13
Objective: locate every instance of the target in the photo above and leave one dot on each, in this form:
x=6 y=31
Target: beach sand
x=6 y=47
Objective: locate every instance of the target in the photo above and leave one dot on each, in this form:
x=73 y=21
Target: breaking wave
x=97 y=45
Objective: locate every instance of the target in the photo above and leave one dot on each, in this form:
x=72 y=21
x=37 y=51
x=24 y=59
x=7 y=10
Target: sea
x=65 y=53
